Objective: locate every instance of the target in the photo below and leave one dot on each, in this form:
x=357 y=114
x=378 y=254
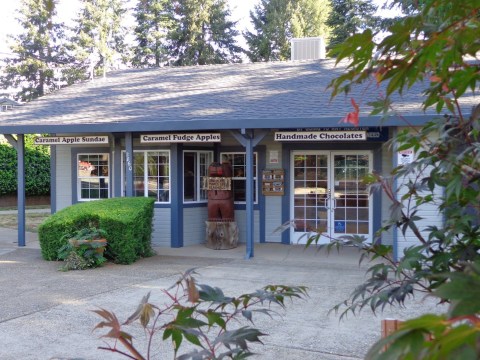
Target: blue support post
x=249 y=196
x=176 y=194
x=395 y=188
x=21 y=188
x=53 y=179
x=129 y=164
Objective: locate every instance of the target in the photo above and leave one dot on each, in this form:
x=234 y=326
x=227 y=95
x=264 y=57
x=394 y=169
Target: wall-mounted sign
x=180 y=138
x=273 y=157
x=405 y=157
x=373 y=133
x=70 y=140
x=342 y=135
x=273 y=182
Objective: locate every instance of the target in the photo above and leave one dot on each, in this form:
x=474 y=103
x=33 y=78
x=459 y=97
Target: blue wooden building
x=153 y=132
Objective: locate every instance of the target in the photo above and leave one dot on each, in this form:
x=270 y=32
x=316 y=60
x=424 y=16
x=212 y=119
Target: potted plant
x=89 y=235
x=84 y=249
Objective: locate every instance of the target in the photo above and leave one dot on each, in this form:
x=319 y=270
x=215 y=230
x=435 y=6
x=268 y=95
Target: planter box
x=100 y=249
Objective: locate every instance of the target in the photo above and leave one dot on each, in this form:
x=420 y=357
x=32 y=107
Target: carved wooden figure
x=220 y=202
x=222 y=231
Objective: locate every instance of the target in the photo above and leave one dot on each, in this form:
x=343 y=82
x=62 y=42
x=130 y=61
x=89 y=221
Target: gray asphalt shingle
x=262 y=95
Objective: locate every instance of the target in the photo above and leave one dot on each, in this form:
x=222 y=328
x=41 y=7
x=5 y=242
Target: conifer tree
x=276 y=22
x=201 y=33
x=37 y=51
x=349 y=17
x=150 y=33
x=99 y=36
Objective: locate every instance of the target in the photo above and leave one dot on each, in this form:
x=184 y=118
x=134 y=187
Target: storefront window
x=239 y=180
x=92 y=174
x=195 y=167
x=151 y=174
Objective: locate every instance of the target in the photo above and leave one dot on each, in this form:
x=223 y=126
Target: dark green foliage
x=349 y=17
x=202 y=316
x=127 y=222
x=37 y=169
x=82 y=251
x=200 y=33
x=150 y=32
x=38 y=51
x=432 y=46
x=99 y=34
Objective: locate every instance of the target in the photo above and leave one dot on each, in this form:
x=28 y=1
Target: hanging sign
x=70 y=140
x=216 y=183
x=180 y=138
x=343 y=135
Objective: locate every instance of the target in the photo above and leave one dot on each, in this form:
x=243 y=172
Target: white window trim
x=79 y=182
x=255 y=177
x=198 y=179
x=145 y=175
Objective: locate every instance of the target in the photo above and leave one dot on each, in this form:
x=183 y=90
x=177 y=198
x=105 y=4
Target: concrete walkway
x=45 y=313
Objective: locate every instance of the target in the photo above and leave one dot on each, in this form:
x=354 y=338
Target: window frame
x=79 y=178
x=236 y=178
x=197 y=176
x=145 y=173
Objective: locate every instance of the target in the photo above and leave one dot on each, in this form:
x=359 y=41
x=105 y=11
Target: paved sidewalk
x=45 y=314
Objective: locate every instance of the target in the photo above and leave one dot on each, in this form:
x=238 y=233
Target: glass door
x=351 y=210
x=328 y=196
x=311 y=196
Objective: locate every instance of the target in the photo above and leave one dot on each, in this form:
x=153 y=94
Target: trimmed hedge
x=127 y=221
x=37 y=168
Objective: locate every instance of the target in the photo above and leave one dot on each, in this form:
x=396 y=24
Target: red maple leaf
x=352 y=117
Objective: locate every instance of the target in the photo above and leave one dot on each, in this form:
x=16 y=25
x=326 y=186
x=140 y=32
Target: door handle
x=327 y=200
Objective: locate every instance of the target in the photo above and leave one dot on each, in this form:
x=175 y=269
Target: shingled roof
x=259 y=95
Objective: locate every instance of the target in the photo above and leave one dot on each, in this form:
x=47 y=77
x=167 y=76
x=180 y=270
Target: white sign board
x=273 y=158
x=321 y=135
x=405 y=157
x=180 y=138
x=70 y=140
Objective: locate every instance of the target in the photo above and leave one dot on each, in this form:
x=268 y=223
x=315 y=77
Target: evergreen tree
x=150 y=32
x=348 y=17
x=99 y=36
x=201 y=33
x=276 y=22
x=38 y=53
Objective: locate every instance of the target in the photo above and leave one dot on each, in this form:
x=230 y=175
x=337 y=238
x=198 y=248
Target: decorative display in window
x=273 y=182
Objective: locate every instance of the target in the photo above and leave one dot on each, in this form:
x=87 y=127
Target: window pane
x=206 y=158
x=152 y=180
x=238 y=162
x=92 y=172
x=189 y=176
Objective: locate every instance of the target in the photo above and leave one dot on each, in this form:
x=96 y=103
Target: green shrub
x=127 y=222
x=37 y=169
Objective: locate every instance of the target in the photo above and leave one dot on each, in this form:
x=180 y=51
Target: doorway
x=328 y=196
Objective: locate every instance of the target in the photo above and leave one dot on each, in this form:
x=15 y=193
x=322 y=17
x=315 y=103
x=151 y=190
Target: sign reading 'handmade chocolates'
x=70 y=140
x=343 y=135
